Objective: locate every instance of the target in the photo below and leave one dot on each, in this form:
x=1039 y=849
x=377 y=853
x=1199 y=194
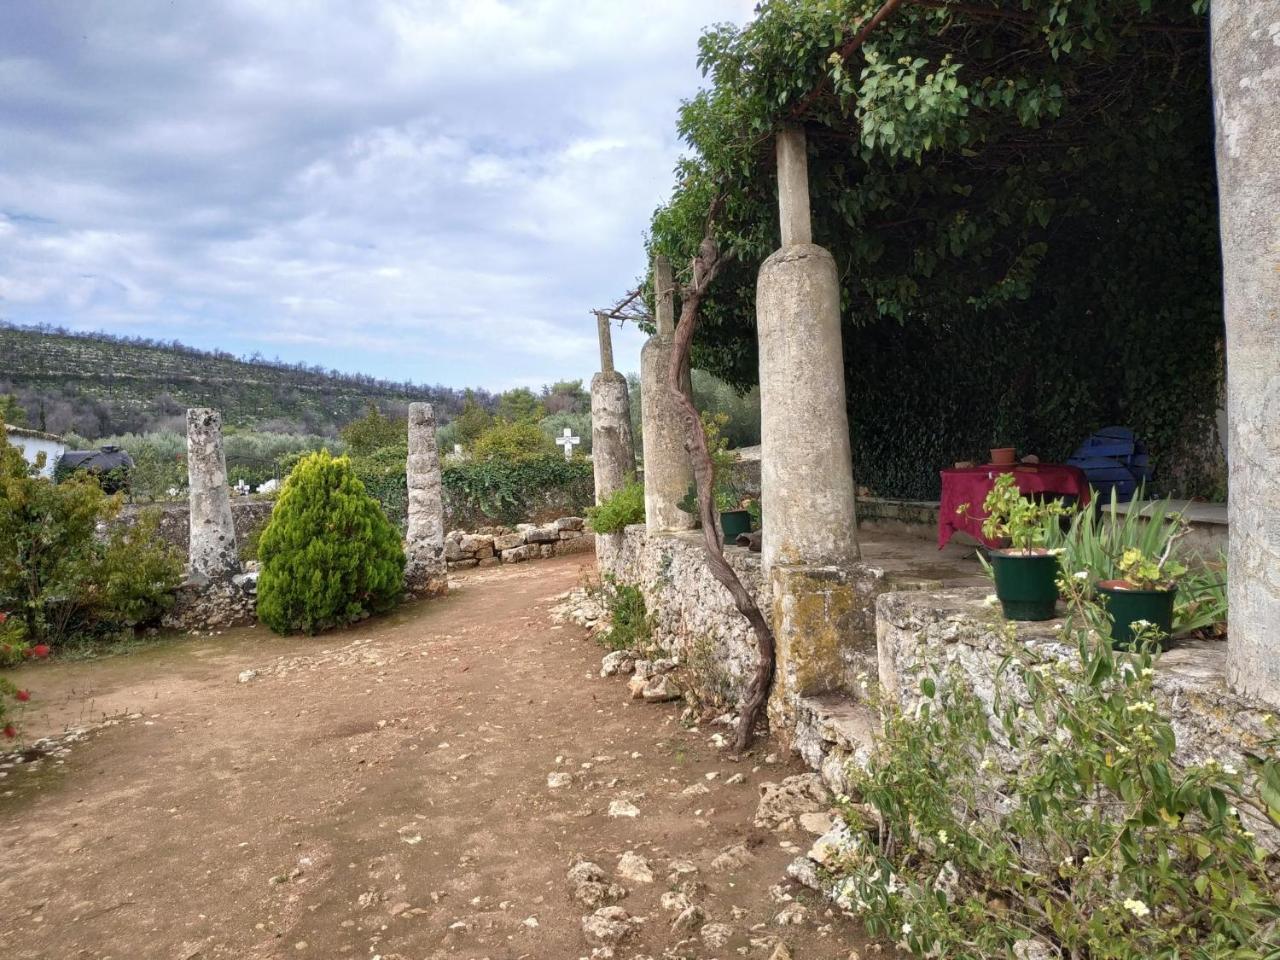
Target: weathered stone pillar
x=613 y=455
x=1246 y=71
x=667 y=471
x=810 y=542
x=806 y=469
x=211 y=549
x=426 y=572
x=612 y=448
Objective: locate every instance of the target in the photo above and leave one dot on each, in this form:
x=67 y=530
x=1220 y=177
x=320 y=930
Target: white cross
x=242 y=488
x=568 y=441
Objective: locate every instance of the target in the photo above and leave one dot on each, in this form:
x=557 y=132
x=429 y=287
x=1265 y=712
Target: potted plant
x=1025 y=570
x=1002 y=456
x=729 y=497
x=1143 y=596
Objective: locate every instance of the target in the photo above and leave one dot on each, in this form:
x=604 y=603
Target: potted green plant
x=1143 y=596
x=1025 y=570
x=730 y=500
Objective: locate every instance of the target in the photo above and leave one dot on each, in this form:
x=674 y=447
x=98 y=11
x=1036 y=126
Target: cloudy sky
x=437 y=190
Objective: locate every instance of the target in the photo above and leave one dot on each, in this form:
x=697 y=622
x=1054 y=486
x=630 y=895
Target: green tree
x=1001 y=183
x=11 y=411
x=374 y=431
x=513 y=441
x=473 y=421
x=519 y=405
x=328 y=556
x=565 y=396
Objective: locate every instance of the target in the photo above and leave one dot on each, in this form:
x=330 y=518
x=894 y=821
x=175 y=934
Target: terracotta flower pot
x=1128 y=604
x=1026 y=583
x=1003 y=456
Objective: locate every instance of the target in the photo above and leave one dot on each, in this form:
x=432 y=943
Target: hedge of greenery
x=487 y=492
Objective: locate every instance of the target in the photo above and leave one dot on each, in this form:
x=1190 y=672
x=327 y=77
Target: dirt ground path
x=381 y=792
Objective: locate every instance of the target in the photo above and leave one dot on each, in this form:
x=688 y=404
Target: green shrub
x=62 y=580
x=618 y=510
x=383 y=474
x=513 y=442
x=329 y=556
x=630 y=627
x=1059 y=817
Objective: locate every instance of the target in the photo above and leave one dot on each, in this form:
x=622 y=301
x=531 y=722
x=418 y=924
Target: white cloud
x=435 y=190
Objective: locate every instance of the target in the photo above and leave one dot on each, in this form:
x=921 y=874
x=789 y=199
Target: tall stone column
x=667 y=470
x=1246 y=71
x=211 y=548
x=613 y=455
x=426 y=572
x=806 y=471
x=810 y=544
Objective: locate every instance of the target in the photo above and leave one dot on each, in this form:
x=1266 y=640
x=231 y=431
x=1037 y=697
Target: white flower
x=1229 y=770
x=1081 y=574
x=906 y=929
x=943 y=838
x=1137 y=908
x=990 y=600
x=1141 y=624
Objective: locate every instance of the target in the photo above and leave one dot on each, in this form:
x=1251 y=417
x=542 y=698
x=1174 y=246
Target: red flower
x=3 y=616
x=23 y=695
x=10 y=731
x=40 y=650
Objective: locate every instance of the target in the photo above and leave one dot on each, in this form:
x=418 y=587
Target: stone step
x=832 y=731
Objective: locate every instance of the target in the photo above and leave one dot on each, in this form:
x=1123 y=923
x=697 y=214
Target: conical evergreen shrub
x=328 y=556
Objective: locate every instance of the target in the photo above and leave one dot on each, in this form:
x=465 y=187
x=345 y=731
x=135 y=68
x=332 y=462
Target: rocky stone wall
x=694 y=617
x=1211 y=721
x=490 y=546
x=249 y=515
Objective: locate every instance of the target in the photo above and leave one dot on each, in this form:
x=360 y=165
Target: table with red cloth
x=961 y=485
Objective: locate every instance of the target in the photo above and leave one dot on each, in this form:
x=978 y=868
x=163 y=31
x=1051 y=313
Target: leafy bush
x=383 y=475
x=618 y=510
x=510 y=492
x=1062 y=820
x=62 y=580
x=329 y=556
x=630 y=627
x=514 y=442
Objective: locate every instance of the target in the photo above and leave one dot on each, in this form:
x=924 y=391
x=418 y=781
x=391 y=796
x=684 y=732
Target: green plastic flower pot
x=734 y=522
x=1026 y=584
x=1128 y=605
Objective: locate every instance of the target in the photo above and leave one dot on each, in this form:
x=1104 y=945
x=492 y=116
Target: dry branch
x=705 y=267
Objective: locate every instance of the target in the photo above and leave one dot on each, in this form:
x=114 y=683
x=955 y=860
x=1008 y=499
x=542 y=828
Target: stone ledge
x=831 y=732
x=1210 y=720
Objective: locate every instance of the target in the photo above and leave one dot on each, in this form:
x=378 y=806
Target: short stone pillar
x=1246 y=64
x=667 y=470
x=613 y=454
x=426 y=572
x=212 y=550
x=810 y=543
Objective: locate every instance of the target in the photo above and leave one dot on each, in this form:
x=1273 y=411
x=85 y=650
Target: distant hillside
x=98 y=385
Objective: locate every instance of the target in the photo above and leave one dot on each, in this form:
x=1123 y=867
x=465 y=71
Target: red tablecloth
x=971 y=484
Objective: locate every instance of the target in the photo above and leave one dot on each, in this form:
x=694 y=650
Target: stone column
x=426 y=572
x=810 y=544
x=806 y=470
x=667 y=471
x=613 y=456
x=1246 y=70
x=212 y=549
